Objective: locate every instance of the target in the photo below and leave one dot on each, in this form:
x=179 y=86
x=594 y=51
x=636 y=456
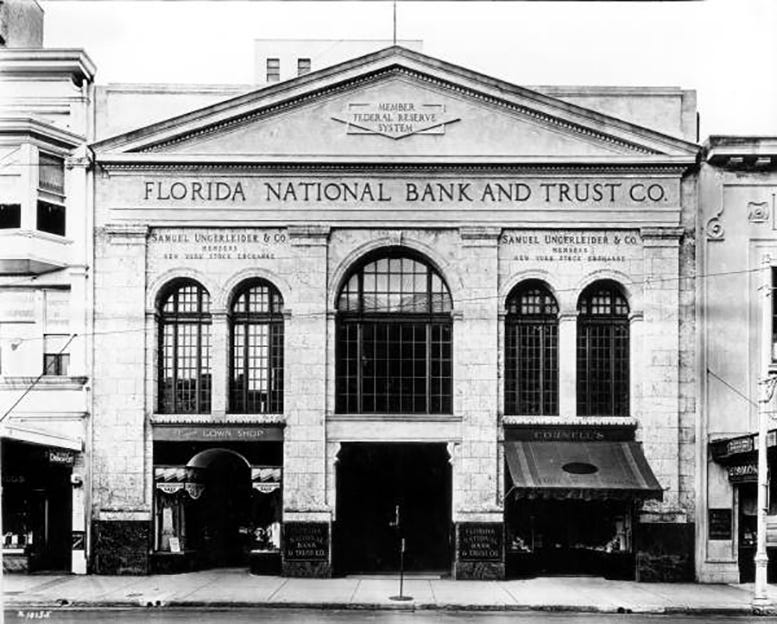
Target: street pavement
x=296 y=616
x=236 y=588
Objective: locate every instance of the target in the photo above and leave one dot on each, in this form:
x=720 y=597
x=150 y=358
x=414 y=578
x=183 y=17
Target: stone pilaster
x=120 y=496
x=219 y=366
x=567 y=365
x=304 y=448
x=475 y=471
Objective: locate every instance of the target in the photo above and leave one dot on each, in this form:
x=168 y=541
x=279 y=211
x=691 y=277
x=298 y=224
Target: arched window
x=602 y=351
x=256 y=348
x=531 y=350
x=184 y=349
x=394 y=338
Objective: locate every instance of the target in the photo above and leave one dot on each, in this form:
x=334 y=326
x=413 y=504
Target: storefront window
x=603 y=351
x=184 y=350
x=394 y=338
x=256 y=380
x=266 y=505
x=531 y=351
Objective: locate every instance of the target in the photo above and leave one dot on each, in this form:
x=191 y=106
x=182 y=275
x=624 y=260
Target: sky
x=726 y=50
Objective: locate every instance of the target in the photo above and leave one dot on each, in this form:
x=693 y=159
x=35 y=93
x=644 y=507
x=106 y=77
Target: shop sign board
x=480 y=541
x=61 y=458
x=743 y=473
x=720 y=524
x=723 y=449
x=529 y=433
x=306 y=541
x=217 y=433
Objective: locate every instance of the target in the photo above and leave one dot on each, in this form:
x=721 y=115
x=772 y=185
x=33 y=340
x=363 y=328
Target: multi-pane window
x=56 y=358
x=303 y=66
x=273 y=69
x=256 y=365
x=603 y=351
x=184 y=353
x=394 y=338
x=531 y=351
x=51 y=194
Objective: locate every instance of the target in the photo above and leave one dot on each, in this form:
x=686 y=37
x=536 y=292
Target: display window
x=266 y=506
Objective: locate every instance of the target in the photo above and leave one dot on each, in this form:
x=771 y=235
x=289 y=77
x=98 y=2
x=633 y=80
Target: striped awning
x=266 y=479
x=580 y=470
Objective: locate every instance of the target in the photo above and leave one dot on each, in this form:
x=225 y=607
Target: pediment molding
x=397 y=71
x=618 y=138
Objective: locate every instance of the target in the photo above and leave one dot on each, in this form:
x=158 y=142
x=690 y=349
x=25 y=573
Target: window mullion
x=359 y=367
x=428 y=367
x=541 y=335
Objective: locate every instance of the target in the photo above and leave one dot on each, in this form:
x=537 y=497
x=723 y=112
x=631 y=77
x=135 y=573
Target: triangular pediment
x=395 y=105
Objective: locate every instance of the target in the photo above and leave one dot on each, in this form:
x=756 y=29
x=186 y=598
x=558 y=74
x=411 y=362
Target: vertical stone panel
x=119 y=476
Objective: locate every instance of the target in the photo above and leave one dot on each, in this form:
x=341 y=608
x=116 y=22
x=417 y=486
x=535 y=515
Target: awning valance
x=580 y=470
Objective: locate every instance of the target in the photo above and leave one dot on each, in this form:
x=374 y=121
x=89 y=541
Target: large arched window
x=603 y=351
x=184 y=349
x=531 y=350
x=394 y=338
x=256 y=349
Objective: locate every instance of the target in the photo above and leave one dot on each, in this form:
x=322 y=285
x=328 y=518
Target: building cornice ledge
x=555 y=421
x=31 y=61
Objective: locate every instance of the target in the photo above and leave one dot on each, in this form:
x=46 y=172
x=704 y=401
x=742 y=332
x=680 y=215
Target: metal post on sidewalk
x=396 y=524
x=767 y=383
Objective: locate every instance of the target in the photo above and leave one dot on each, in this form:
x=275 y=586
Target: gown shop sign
x=344 y=190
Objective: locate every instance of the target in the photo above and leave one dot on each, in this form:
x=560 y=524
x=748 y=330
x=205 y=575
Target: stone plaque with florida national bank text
x=481 y=541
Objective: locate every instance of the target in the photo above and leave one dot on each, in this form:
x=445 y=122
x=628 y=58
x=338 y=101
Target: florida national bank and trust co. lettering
x=543 y=192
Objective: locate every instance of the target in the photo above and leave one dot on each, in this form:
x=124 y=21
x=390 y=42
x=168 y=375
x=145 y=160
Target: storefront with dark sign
x=217 y=504
x=572 y=503
x=739 y=523
x=37 y=507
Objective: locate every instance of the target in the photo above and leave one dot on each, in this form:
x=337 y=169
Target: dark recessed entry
x=579 y=468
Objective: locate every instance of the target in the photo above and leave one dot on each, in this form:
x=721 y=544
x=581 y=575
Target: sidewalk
x=238 y=588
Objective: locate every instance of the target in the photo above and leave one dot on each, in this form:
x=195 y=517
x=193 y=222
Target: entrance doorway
x=386 y=491
x=222 y=514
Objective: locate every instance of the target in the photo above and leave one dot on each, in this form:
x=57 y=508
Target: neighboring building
x=738 y=327
x=45 y=300
x=281 y=59
x=21 y=24
x=398 y=297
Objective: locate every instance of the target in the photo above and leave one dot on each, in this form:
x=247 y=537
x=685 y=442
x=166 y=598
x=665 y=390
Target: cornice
x=207 y=420
x=556 y=421
x=35 y=61
x=662 y=166
x=752 y=153
x=35 y=128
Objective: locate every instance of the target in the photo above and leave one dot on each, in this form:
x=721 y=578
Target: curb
x=77 y=605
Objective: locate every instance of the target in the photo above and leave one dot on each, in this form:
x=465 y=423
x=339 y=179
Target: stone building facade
x=736 y=319
x=398 y=304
